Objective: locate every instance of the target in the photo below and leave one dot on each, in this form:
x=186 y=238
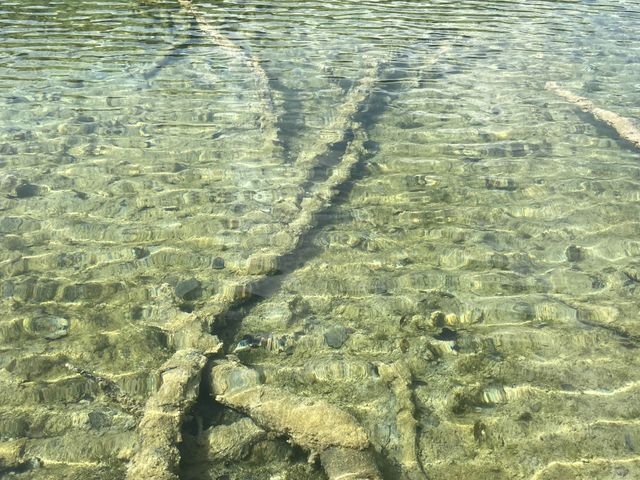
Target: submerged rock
x=26 y=190
x=236 y=292
x=269 y=342
x=8 y=149
x=49 y=327
x=99 y=420
x=217 y=263
x=337 y=369
x=335 y=337
x=262 y=265
x=498 y=183
x=188 y=289
x=11 y=455
x=13 y=242
x=573 y=253
x=140 y=252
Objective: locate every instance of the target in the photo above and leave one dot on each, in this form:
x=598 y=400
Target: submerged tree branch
x=158 y=457
x=268 y=120
x=624 y=126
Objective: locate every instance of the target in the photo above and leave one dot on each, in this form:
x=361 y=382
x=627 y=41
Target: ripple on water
x=481 y=259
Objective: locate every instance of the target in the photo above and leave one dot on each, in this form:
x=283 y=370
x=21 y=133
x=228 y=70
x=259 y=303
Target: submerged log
x=346 y=464
x=315 y=425
x=158 y=456
x=312 y=424
x=268 y=116
x=399 y=377
x=224 y=443
x=624 y=126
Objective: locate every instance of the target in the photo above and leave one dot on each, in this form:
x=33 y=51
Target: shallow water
x=485 y=247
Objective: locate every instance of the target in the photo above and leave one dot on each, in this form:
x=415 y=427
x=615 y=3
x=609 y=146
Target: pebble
x=506 y=184
x=27 y=190
x=217 y=263
x=573 y=253
x=336 y=336
x=621 y=470
x=140 y=252
x=49 y=326
x=13 y=242
x=188 y=289
x=99 y=420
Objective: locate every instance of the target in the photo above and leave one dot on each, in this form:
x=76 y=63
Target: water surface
x=486 y=245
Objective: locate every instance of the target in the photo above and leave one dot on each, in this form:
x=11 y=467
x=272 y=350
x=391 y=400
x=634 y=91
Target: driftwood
x=624 y=126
